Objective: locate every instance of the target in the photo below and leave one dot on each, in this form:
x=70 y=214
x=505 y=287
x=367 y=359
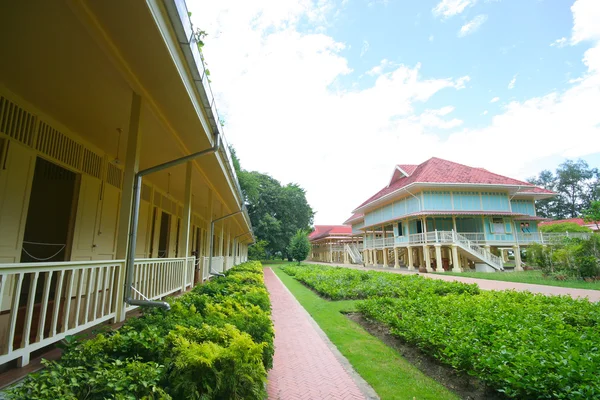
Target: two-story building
x=116 y=182
x=441 y=215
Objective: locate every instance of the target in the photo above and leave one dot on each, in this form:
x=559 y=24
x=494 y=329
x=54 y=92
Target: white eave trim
x=391 y=195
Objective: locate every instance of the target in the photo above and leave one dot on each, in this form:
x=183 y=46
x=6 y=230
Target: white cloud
x=276 y=87
x=513 y=81
x=485 y=112
x=450 y=8
x=495 y=99
x=364 y=48
x=562 y=42
x=432 y=118
x=586 y=14
x=431 y=38
x=378 y=69
x=472 y=26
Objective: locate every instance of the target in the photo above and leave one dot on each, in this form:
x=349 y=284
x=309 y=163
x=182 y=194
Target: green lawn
x=382 y=367
x=534 y=277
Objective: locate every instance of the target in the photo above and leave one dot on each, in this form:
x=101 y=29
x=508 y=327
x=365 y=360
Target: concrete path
x=306 y=364
x=488 y=284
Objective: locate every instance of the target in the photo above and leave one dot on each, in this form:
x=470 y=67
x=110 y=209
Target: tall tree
x=276 y=212
x=577 y=186
x=546 y=208
x=573 y=177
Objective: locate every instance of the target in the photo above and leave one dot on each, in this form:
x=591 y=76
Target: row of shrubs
x=216 y=342
x=527 y=346
x=338 y=283
x=572 y=258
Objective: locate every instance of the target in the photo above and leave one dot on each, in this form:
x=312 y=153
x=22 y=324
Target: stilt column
x=438 y=258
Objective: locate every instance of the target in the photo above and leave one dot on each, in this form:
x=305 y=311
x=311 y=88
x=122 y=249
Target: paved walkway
x=306 y=365
x=488 y=284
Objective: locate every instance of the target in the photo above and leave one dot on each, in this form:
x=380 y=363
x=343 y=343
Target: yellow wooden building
x=93 y=95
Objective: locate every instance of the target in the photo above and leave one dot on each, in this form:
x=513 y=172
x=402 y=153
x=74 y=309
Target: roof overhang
x=513 y=190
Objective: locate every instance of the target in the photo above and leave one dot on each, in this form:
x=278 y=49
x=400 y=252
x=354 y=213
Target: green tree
x=573 y=177
x=577 y=186
x=300 y=246
x=257 y=250
x=546 y=208
x=276 y=211
x=592 y=214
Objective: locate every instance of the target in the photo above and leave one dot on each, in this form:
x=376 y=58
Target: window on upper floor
x=497 y=225
x=400 y=229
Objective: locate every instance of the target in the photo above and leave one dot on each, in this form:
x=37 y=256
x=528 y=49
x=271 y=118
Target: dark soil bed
x=467 y=387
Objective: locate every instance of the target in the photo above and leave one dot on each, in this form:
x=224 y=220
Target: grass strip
x=388 y=373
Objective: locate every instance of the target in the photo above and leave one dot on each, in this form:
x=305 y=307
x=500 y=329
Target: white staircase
x=478 y=252
x=354 y=253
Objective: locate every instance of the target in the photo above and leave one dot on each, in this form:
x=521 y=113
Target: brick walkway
x=488 y=284
x=304 y=366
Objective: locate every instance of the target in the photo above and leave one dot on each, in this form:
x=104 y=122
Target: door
x=17 y=165
x=50 y=215
x=163 y=238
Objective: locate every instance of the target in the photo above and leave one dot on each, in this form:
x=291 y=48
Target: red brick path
x=304 y=367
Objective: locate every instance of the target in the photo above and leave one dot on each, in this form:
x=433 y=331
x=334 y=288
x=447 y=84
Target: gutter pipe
x=137 y=185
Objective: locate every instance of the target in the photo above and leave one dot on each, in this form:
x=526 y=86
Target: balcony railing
x=478 y=238
x=44 y=302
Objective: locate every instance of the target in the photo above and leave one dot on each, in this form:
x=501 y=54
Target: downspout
x=129 y=262
x=212 y=230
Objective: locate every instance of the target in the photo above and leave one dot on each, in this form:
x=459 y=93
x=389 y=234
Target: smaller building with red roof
x=579 y=221
x=334 y=243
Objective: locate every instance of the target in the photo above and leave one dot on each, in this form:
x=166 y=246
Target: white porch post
x=438 y=258
x=132 y=159
x=396 y=261
x=517 y=251
x=455 y=259
x=228 y=246
x=385 y=256
x=411 y=263
x=184 y=233
x=427 y=258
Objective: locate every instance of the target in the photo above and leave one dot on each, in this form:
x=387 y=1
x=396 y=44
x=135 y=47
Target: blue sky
x=331 y=94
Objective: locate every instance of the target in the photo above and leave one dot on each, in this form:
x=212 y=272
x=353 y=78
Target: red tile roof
x=408 y=168
x=322 y=231
x=436 y=170
x=578 y=221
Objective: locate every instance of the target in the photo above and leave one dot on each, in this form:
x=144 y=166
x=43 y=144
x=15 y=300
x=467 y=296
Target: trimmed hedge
x=216 y=342
x=338 y=283
x=527 y=346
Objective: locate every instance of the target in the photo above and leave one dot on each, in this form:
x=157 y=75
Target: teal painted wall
x=495 y=201
x=467 y=201
x=356 y=227
x=448 y=201
x=502 y=234
x=437 y=200
x=523 y=207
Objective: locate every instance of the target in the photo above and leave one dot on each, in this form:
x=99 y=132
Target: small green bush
x=216 y=342
x=565 y=227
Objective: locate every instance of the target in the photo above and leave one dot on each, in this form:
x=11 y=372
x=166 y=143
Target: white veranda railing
x=41 y=303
